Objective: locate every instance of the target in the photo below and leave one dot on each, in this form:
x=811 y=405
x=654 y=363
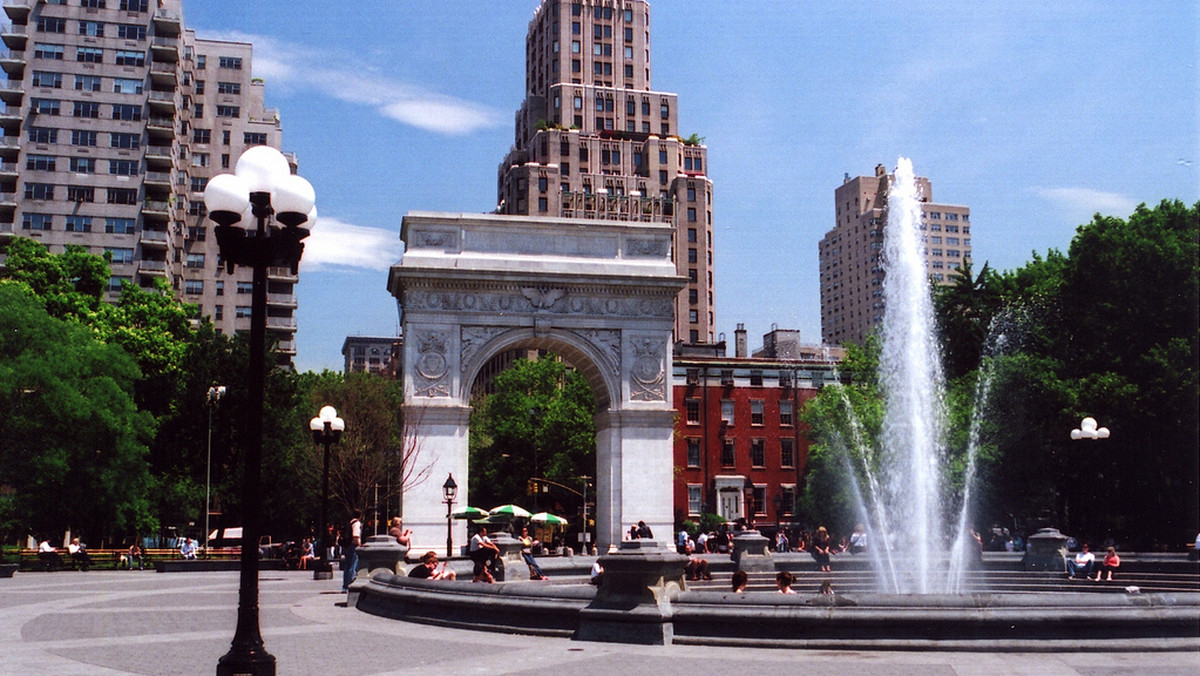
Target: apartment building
x=594 y=141
x=851 y=254
x=115 y=116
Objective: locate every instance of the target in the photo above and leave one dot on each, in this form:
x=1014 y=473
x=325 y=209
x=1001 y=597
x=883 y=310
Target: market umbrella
x=548 y=519
x=491 y=520
x=470 y=513
x=510 y=511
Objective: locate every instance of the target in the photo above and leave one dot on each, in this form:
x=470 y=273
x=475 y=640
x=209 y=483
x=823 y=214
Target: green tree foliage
x=72 y=441
x=538 y=422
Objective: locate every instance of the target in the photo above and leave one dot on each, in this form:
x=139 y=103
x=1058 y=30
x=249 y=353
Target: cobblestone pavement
x=135 y=622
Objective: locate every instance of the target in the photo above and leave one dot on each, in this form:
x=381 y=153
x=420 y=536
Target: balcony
x=286 y=347
x=162 y=103
x=158 y=179
x=7 y=230
x=161 y=129
x=155 y=239
x=285 y=300
x=153 y=210
x=10 y=119
x=9 y=147
x=164 y=74
x=13 y=64
x=18 y=10
x=158 y=158
x=9 y=170
x=165 y=50
x=282 y=275
x=152 y=268
x=14 y=36
x=12 y=93
x=167 y=23
x=281 y=323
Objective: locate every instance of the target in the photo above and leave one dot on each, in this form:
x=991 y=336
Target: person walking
x=350 y=551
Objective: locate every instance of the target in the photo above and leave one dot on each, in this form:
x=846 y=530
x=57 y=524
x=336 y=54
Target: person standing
x=351 y=551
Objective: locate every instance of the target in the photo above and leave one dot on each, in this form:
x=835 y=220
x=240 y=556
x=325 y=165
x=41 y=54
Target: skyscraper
x=115 y=117
x=851 y=254
x=594 y=141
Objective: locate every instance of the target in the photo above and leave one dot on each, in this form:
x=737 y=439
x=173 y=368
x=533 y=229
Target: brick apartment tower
x=851 y=253
x=115 y=116
x=594 y=141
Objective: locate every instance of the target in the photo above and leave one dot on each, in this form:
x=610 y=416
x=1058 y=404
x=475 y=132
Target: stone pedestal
x=7 y=569
x=1047 y=551
x=511 y=565
x=750 y=552
x=633 y=603
x=382 y=552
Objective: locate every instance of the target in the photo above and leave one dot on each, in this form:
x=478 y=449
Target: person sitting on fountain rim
x=1109 y=565
x=1081 y=563
x=738 y=583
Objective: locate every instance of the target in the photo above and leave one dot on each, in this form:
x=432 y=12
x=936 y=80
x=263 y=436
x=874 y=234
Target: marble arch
x=601 y=293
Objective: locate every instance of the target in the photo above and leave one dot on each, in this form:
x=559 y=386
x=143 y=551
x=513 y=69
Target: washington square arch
x=601 y=294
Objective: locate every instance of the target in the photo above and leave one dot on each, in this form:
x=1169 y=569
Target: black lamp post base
x=246 y=663
x=322 y=570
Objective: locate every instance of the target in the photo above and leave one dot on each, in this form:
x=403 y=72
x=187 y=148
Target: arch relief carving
x=546 y=301
x=647 y=375
x=431 y=375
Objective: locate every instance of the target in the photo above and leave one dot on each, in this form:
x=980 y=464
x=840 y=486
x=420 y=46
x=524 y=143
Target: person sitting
x=740 y=578
x=429 y=570
x=399 y=532
x=48 y=555
x=307 y=553
x=188 y=549
x=597 y=577
x=79 y=554
x=858 y=540
x=644 y=532
x=827 y=587
x=483 y=551
x=1081 y=563
x=697 y=569
x=134 y=554
x=784 y=579
x=527 y=545
x=1109 y=565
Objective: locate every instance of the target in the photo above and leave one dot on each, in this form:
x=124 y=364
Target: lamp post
x=449 y=490
x=327 y=430
x=1087 y=430
x=262 y=183
x=210 y=401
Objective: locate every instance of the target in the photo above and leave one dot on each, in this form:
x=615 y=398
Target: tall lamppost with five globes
x=262 y=190
x=327 y=430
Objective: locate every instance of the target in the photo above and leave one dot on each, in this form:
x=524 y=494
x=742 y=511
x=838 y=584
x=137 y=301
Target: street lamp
x=262 y=183
x=1087 y=430
x=327 y=430
x=449 y=490
x=210 y=401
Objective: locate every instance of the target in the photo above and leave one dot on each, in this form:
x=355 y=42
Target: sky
x=1036 y=115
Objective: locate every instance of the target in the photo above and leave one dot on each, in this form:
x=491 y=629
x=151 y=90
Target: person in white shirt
x=482 y=551
x=1081 y=563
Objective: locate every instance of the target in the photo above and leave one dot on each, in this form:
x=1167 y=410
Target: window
x=727 y=412
x=124 y=111
x=40 y=162
x=220 y=288
x=693 y=452
x=87 y=83
x=193 y=287
x=79 y=223
x=756 y=411
x=254 y=138
x=92 y=4
x=787 y=452
x=201 y=135
x=119 y=255
x=758 y=453
x=81 y=193
x=89 y=55
x=196 y=208
x=129 y=31
x=130 y=58
x=119 y=226
x=83 y=165
x=756 y=377
x=692 y=411
x=115 y=282
x=728 y=456
x=760 y=500
x=43 y=135
x=199 y=183
x=39 y=191
x=51 y=24
x=234 y=62
x=134 y=5
x=43 y=78
x=37 y=221
x=130 y=141
x=228 y=111
x=86 y=109
x=785 y=413
x=195 y=260
x=242 y=312
x=127 y=86
x=122 y=196
x=787 y=498
x=43 y=50
x=693 y=316
x=244 y=288
x=229 y=87
x=695 y=496
x=123 y=167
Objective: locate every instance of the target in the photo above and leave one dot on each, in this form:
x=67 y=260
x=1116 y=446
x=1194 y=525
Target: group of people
x=50 y=558
x=1082 y=563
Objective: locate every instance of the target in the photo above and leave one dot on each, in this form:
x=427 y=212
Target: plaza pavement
x=133 y=622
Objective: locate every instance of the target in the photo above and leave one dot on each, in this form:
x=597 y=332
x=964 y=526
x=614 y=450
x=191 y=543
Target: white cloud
x=334 y=243
x=1080 y=204
x=290 y=66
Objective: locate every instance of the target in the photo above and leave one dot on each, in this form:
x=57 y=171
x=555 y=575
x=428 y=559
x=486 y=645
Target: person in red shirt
x=1109 y=565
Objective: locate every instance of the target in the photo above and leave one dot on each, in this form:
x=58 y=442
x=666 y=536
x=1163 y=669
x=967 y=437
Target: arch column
x=634 y=466
x=441 y=433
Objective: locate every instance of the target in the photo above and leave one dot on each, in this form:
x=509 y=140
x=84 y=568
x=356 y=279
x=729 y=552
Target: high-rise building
x=115 y=116
x=851 y=254
x=594 y=141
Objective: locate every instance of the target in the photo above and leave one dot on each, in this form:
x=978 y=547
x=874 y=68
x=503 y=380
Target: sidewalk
x=127 y=622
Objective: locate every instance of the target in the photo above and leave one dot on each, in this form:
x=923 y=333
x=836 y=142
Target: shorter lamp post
x=210 y=401
x=327 y=430
x=449 y=490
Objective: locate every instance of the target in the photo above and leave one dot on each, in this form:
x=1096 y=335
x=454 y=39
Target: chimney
x=739 y=342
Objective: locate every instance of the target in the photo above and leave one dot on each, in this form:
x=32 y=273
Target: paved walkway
x=119 y=622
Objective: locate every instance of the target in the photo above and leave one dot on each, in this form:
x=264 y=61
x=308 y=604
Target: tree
x=537 y=423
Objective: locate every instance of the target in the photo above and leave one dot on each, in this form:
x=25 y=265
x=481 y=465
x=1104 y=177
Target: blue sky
x=1034 y=114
